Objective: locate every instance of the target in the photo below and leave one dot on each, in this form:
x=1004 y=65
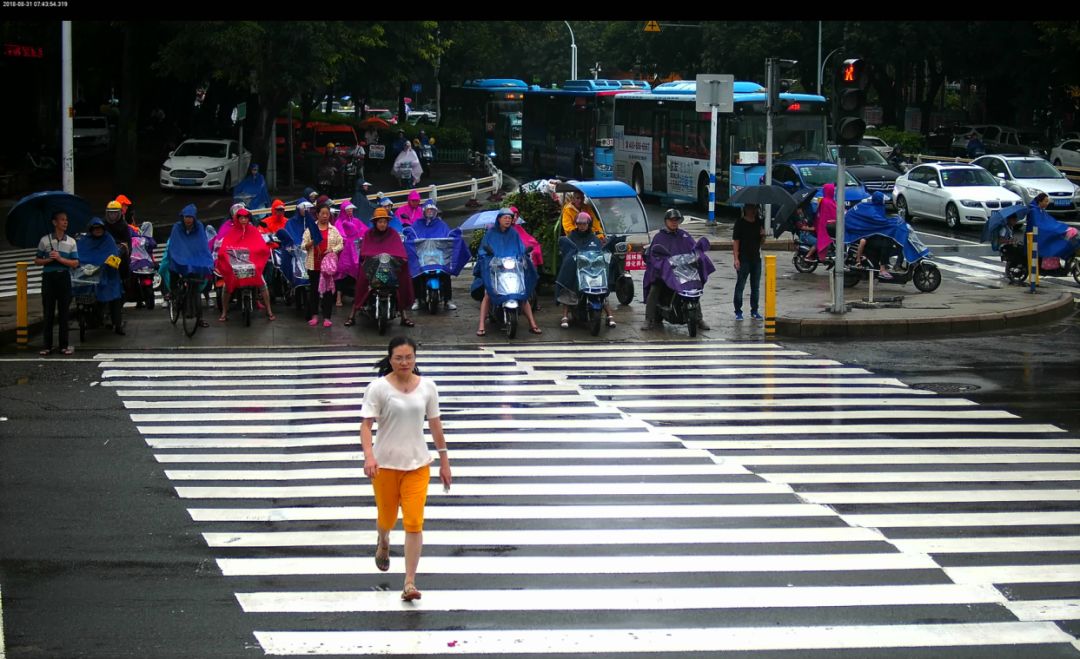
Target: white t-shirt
x=399 y=438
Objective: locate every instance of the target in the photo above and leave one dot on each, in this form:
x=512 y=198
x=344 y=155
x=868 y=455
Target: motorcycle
x=290 y=274
x=144 y=278
x=866 y=220
x=435 y=257
x=682 y=285
x=381 y=303
x=508 y=292
x=595 y=268
x=84 y=282
x=243 y=270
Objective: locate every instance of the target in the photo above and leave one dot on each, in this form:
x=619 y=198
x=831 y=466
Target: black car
x=868 y=166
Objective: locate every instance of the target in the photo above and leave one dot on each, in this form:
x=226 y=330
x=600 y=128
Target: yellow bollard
x=21 y=330
x=1032 y=260
x=770 y=296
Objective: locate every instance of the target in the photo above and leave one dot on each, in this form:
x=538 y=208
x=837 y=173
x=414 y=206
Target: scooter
x=595 y=268
x=683 y=284
x=144 y=273
x=435 y=256
x=381 y=304
x=427 y=156
x=292 y=275
x=508 y=280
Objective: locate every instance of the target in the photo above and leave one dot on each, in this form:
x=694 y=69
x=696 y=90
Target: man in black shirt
x=746 y=241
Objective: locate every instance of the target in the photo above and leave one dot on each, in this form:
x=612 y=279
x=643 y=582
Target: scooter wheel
x=691 y=324
x=927 y=277
x=624 y=290
x=594 y=320
x=802 y=265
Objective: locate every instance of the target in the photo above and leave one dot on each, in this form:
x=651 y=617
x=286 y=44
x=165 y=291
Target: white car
x=91 y=133
x=1066 y=154
x=1028 y=176
x=877 y=144
x=959 y=194
x=205 y=165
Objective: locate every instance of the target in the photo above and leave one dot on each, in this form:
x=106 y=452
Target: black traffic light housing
x=849 y=99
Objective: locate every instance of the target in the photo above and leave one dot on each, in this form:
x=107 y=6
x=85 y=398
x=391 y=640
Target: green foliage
x=909 y=142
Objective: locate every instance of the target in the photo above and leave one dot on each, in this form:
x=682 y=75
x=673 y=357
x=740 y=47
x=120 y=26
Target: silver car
x=1028 y=176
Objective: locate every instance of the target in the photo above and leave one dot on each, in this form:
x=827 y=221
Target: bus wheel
x=639 y=181
x=703 y=192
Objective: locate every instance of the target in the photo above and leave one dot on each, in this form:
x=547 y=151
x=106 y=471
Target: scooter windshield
x=592 y=270
x=685 y=268
x=509 y=276
x=240 y=262
x=434 y=253
x=382 y=270
x=299 y=258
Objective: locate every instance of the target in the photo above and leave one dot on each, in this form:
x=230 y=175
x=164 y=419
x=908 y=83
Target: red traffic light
x=854 y=73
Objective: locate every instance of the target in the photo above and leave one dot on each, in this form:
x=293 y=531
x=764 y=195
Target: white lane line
x=817 y=401
x=574 y=538
x=354 y=413
x=977 y=273
x=670 y=640
x=940 y=496
x=623 y=599
x=685 y=364
x=862 y=429
x=923 y=476
x=490 y=403
x=629 y=436
x=440 y=512
x=487 y=489
x=815 y=415
x=353 y=426
x=498 y=471
x=905 y=458
x=660 y=385
x=618 y=396
x=978 y=264
x=935 y=520
x=1025 y=544
x=890 y=443
x=1004 y=574
x=592 y=565
x=3 y=653
x=1035 y=610
x=288 y=393
x=460 y=455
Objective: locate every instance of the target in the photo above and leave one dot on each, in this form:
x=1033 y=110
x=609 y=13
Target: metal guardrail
x=469 y=189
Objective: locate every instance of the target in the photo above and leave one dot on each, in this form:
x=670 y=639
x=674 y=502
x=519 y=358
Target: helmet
x=583 y=218
x=113 y=206
x=235 y=208
x=123 y=200
x=329 y=145
x=673 y=214
x=304 y=205
x=504 y=211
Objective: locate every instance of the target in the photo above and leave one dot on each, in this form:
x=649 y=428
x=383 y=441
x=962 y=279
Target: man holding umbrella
x=59 y=254
x=746 y=241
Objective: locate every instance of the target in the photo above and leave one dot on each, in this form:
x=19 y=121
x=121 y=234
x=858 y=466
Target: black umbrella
x=31 y=217
x=773 y=195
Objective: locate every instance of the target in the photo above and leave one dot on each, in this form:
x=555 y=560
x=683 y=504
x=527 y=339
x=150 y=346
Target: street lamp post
x=573 y=52
x=821 y=69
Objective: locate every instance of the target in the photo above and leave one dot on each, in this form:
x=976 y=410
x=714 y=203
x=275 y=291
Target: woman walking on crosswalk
x=398 y=464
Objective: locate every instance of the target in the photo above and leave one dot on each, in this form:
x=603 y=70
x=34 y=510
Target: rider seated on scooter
x=583 y=237
x=672 y=219
x=579 y=205
x=879 y=245
x=243 y=236
x=825 y=220
x=430 y=225
x=501 y=240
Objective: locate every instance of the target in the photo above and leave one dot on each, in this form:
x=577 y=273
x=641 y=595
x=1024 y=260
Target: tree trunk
x=127 y=156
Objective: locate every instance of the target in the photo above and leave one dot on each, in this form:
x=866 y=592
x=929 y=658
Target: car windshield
x=201 y=150
x=864 y=155
x=818 y=175
x=1034 y=168
x=959 y=178
x=621 y=215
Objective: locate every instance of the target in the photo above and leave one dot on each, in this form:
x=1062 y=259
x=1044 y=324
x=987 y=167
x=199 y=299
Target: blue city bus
x=661 y=141
x=567 y=131
x=477 y=105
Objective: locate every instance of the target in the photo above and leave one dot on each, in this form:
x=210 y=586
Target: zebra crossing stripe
x=890 y=443
x=904 y=459
x=1025 y=544
x=507 y=471
x=628 y=641
x=487 y=489
x=460 y=455
x=924 y=476
x=860 y=429
x=1035 y=610
x=623 y=436
x=940 y=496
x=913 y=520
x=628 y=599
x=1007 y=574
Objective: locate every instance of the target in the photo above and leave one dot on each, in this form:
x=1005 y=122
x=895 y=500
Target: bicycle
x=186 y=303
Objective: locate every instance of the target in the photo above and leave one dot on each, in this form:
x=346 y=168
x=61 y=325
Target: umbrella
x=481 y=220
x=773 y=195
x=999 y=218
x=31 y=217
x=374 y=122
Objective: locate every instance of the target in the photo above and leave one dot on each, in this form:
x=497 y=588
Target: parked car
x=384 y=114
x=1027 y=176
x=205 y=164
x=799 y=174
x=957 y=193
x=960 y=138
x=868 y=166
x=421 y=117
x=878 y=144
x=91 y=133
x=1066 y=154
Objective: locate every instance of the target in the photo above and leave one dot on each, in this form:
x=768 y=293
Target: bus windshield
x=794 y=136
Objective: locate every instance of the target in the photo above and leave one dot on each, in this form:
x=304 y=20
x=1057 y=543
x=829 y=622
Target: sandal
x=481 y=332
x=611 y=321
x=408 y=322
x=564 y=322
x=45 y=352
x=271 y=316
x=410 y=592
x=349 y=322
x=222 y=319
x=382 y=561
x=70 y=350
x=535 y=330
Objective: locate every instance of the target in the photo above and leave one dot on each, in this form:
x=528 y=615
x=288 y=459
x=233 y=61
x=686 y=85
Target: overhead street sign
x=718 y=90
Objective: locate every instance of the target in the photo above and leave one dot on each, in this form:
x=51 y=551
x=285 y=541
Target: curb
x=808 y=328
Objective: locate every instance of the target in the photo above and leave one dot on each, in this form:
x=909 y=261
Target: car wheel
x=227 y=185
x=903 y=211
x=1057 y=162
x=952 y=217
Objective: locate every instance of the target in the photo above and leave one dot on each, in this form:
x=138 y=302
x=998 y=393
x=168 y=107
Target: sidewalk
x=802 y=311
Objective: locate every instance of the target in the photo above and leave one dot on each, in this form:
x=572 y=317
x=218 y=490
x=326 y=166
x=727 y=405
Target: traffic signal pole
x=838 y=269
x=849 y=98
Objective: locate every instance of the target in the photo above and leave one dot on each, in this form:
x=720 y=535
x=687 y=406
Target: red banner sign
x=19 y=50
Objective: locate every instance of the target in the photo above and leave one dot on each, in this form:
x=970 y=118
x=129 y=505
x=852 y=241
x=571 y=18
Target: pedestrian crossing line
x=287 y=386
x=620 y=366
x=939 y=496
x=292 y=358
x=353 y=426
x=978 y=264
x=507 y=471
x=627 y=599
x=367 y=363
x=815 y=401
x=353 y=411
x=668 y=396
x=859 y=429
x=903 y=459
x=582 y=372
x=507 y=512
x=575 y=538
x=835 y=415
x=509 y=565
x=622 y=436
x=689 y=348
x=669 y=386
x=486 y=489
x=493 y=370
x=460 y=455
x=922 y=476
x=1007 y=574
x=1025 y=544
x=889 y=443
x=1029 y=611
x=935 y=520
x=619 y=641
x=354 y=404
x=268 y=393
